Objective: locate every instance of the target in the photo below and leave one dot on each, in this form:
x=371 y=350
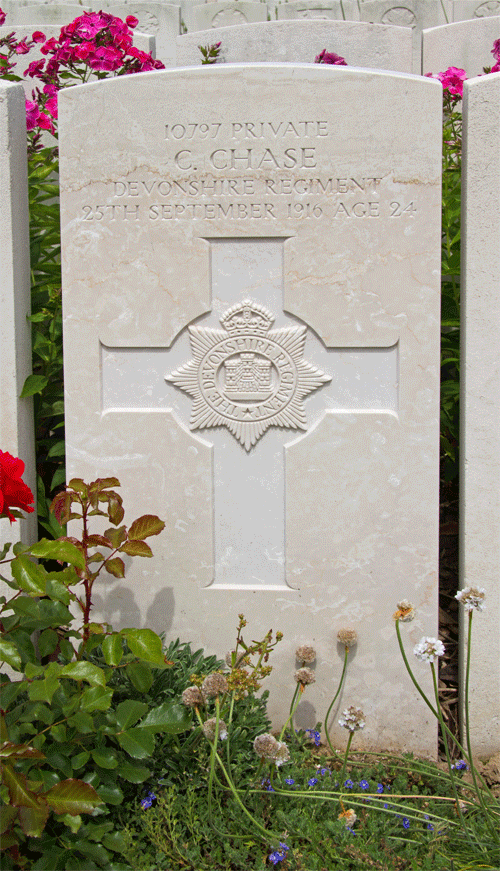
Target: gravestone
x=366 y=45
x=466 y=45
x=417 y=14
x=480 y=401
x=222 y=14
x=336 y=10
x=251 y=340
x=45 y=14
x=465 y=9
x=159 y=20
x=16 y=415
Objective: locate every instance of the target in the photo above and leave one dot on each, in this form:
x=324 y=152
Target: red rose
x=14 y=493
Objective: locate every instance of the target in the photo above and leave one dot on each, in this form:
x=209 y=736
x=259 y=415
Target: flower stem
x=342 y=676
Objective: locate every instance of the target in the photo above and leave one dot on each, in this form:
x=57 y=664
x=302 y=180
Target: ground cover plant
x=121 y=753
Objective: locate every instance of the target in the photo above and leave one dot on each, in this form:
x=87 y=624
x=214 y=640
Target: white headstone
x=480 y=399
x=161 y=20
x=417 y=14
x=223 y=14
x=41 y=14
x=336 y=10
x=466 y=45
x=365 y=45
x=16 y=415
x=465 y=9
x=251 y=302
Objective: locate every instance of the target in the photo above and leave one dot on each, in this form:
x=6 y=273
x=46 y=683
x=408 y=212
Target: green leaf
x=9 y=814
x=139 y=743
x=73 y=797
x=115 y=567
x=145 y=644
x=116 y=536
x=10 y=691
x=30 y=577
x=43 y=690
x=10 y=654
x=57 y=591
x=33 y=384
x=57 y=759
x=79 y=485
x=16 y=783
x=133 y=773
x=128 y=712
x=8 y=750
x=47 y=641
x=58 y=449
x=145 y=526
x=85 y=671
x=112 y=648
x=65 y=551
x=33 y=819
x=169 y=717
x=80 y=760
x=105 y=757
x=116 y=842
x=110 y=793
x=73 y=822
x=136 y=548
x=96 y=699
x=140 y=676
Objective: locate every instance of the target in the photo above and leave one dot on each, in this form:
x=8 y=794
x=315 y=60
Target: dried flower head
x=428 y=649
x=405 y=611
x=347 y=637
x=282 y=754
x=210 y=727
x=304 y=676
x=472 y=597
x=352 y=719
x=265 y=746
x=348 y=817
x=192 y=697
x=215 y=684
x=305 y=653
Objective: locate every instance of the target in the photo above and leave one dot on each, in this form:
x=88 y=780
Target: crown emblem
x=247 y=316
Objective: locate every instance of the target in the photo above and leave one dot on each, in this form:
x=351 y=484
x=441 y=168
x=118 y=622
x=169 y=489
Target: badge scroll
x=246 y=376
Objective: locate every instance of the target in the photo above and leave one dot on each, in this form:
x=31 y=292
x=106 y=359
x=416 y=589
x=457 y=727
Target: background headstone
x=336 y=10
x=16 y=415
x=161 y=20
x=46 y=14
x=465 y=9
x=365 y=45
x=221 y=14
x=314 y=192
x=480 y=400
x=466 y=45
x=417 y=14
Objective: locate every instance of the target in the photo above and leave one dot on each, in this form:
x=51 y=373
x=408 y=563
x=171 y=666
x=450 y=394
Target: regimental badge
x=248 y=377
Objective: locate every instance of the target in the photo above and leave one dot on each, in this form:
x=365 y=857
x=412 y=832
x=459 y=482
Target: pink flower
x=496 y=68
x=22 y=47
x=38 y=36
x=329 y=57
x=32 y=114
x=45 y=123
x=49 y=46
x=131 y=21
x=34 y=68
x=452 y=80
x=50 y=89
x=51 y=106
x=2 y=17
x=106 y=58
x=496 y=50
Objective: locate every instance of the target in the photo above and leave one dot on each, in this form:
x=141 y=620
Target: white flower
x=472 y=597
x=210 y=728
x=405 y=611
x=282 y=754
x=352 y=719
x=348 y=816
x=428 y=649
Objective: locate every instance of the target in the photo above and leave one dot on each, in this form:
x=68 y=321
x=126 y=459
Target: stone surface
x=465 y=9
x=263 y=185
x=329 y=9
x=221 y=14
x=160 y=20
x=466 y=45
x=480 y=399
x=16 y=415
x=417 y=14
x=366 y=45
x=43 y=13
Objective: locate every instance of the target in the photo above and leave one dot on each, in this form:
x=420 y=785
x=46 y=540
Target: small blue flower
x=348 y=783
x=274 y=858
x=351 y=830
x=324 y=771
x=406 y=822
x=364 y=784
x=278 y=855
x=380 y=787
x=314 y=735
x=289 y=781
x=312 y=782
x=148 y=800
x=460 y=765
x=266 y=783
